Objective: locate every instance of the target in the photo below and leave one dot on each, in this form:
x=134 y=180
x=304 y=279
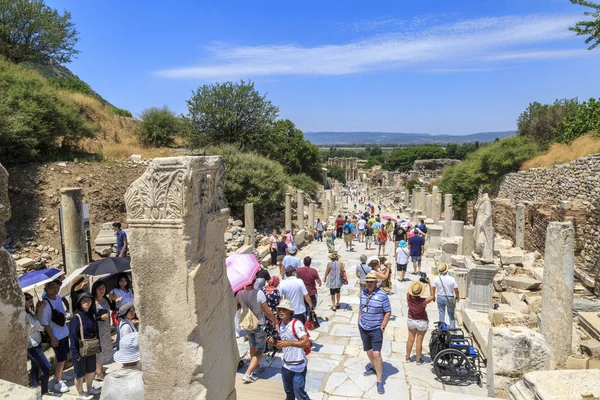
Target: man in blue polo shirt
x=122 y=245
x=373 y=316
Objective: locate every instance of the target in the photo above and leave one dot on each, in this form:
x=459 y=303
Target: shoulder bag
x=248 y=321
x=452 y=302
x=87 y=347
x=344 y=276
x=56 y=316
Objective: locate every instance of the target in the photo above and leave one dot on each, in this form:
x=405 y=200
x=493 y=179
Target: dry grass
x=563 y=153
x=116 y=137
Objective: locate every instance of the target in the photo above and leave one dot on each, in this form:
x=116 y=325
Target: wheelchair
x=455 y=359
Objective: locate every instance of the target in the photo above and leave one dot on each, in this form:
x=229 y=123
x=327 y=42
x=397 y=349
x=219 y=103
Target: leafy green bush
x=251 y=178
x=304 y=182
x=539 y=121
x=159 y=126
x=73 y=84
x=410 y=185
x=584 y=121
x=35 y=119
x=484 y=168
x=121 y=112
x=402 y=159
x=336 y=172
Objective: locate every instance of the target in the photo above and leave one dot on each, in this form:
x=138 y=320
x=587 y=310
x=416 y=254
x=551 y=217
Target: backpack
x=347 y=230
x=423 y=229
x=307 y=349
x=440 y=340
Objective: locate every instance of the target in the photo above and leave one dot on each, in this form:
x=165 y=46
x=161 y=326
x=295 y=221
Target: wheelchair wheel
x=452 y=367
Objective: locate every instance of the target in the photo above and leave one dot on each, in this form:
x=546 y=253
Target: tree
x=539 y=121
x=159 y=126
x=402 y=159
x=231 y=113
x=32 y=31
x=585 y=120
x=589 y=28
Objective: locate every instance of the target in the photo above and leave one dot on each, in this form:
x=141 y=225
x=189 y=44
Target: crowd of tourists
x=286 y=302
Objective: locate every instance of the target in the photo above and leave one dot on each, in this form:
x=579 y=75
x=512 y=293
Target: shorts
x=334 y=291
x=61 y=351
x=369 y=239
x=280 y=258
x=415 y=258
x=401 y=267
x=86 y=365
x=372 y=340
x=419 y=325
x=258 y=339
x=348 y=239
x=361 y=231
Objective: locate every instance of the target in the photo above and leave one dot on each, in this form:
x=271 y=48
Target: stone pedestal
x=468 y=239
x=520 y=226
x=406 y=198
x=557 y=297
x=460 y=275
x=311 y=218
x=413 y=175
x=450 y=247
x=434 y=233
x=177 y=214
x=456 y=228
x=448 y=214
x=300 y=210
x=428 y=205
x=249 y=225
x=288 y=211
x=413 y=200
x=326 y=211
x=481 y=286
x=324 y=175
x=103 y=244
x=13 y=325
x=74 y=233
x=422 y=200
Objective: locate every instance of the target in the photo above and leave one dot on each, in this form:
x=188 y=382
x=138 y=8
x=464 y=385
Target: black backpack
x=423 y=229
x=440 y=340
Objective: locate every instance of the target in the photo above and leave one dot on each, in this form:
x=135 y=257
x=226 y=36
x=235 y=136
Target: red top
x=309 y=276
x=339 y=222
x=416 y=308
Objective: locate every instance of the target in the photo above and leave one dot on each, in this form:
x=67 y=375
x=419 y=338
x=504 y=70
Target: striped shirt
x=373 y=307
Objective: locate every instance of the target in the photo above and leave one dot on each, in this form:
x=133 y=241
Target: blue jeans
x=442 y=303
x=41 y=365
x=293 y=384
x=320 y=236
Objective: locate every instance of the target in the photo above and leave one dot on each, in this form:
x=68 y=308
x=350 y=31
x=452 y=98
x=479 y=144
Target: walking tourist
x=272 y=294
x=320 y=228
x=417 y=320
x=295 y=291
x=382 y=238
x=399 y=234
x=255 y=302
x=422 y=227
x=373 y=316
x=402 y=259
x=125 y=383
x=122 y=244
x=339 y=223
x=289 y=238
x=381 y=271
x=362 y=270
x=39 y=363
x=376 y=228
x=347 y=229
x=361 y=225
x=310 y=277
x=83 y=326
x=262 y=277
x=294 y=340
x=330 y=240
x=447 y=295
x=103 y=319
x=416 y=246
x=368 y=236
x=126 y=325
x=273 y=247
x=281 y=248
x=333 y=278
x=54 y=320
x=290 y=260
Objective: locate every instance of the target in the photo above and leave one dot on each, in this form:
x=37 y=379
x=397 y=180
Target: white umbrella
x=65 y=287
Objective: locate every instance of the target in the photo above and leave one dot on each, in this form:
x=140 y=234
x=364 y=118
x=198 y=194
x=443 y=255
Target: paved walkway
x=336 y=364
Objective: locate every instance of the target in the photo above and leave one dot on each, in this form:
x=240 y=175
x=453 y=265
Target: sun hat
x=371 y=277
x=402 y=243
x=82 y=296
x=442 y=269
x=129 y=349
x=286 y=304
x=124 y=309
x=416 y=288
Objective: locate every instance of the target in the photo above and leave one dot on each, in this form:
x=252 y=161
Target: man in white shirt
x=295 y=291
x=291 y=260
x=56 y=327
x=361 y=225
x=446 y=294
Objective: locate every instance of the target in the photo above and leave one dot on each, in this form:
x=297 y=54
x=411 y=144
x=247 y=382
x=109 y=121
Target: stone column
x=557 y=297
x=468 y=239
x=438 y=208
x=481 y=287
x=74 y=233
x=520 y=228
x=324 y=176
x=300 y=209
x=435 y=210
x=406 y=198
x=177 y=214
x=434 y=233
x=249 y=225
x=13 y=324
x=288 y=211
x=311 y=218
x=413 y=200
x=456 y=228
x=326 y=211
x=422 y=197
x=448 y=214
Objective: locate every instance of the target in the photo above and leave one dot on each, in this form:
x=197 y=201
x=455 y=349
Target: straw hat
x=334 y=255
x=129 y=349
x=286 y=305
x=442 y=269
x=417 y=288
x=371 y=277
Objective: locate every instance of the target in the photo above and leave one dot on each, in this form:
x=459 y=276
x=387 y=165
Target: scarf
x=272 y=285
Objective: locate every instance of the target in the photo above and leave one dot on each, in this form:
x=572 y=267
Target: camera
x=423 y=278
x=273 y=334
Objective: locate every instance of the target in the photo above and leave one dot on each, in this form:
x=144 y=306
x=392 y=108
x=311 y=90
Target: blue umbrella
x=36 y=278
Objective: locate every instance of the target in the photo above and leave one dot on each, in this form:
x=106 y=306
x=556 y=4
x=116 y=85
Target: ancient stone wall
x=567 y=192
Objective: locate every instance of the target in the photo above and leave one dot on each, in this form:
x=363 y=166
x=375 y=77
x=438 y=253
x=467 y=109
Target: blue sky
x=429 y=66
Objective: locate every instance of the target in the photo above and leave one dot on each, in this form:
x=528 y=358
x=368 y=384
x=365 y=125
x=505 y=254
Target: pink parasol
x=388 y=217
x=241 y=270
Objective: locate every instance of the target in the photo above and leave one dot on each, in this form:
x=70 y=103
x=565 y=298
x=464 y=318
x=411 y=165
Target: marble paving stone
x=348 y=389
x=341 y=340
x=322 y=364
x=330 y=349
x=316 y=395
x=422 y=375
x=345 y=330
x=313 y=380
x=417 y=393
x=394 y=389
x=341 y=319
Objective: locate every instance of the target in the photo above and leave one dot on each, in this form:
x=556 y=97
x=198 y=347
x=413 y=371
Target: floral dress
x=105 y=356
x=334 y=279
x=273 y=300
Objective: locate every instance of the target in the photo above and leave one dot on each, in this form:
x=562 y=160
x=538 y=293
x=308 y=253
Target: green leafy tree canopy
x=32 y=31
x=539 y=121
x=589 y=28
x=159 y=126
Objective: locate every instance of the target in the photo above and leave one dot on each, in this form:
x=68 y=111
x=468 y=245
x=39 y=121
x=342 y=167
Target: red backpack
x=307 y=349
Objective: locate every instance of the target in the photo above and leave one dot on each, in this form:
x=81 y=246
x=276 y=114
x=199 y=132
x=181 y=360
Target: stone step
x=589 y=322
x=519 y=391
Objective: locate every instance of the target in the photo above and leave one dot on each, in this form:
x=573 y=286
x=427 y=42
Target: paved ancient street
x=336 y=364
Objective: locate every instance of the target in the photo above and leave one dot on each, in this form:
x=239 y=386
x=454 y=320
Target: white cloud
x=460 y=46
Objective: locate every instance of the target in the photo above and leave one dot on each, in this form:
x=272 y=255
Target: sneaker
x=85 y=396
x=249 y=378
x=380 y=388
x=368 y=366
x=258 y=370
x=369 y=372
x=61 y=387
x=93 y=390
x=420 y=362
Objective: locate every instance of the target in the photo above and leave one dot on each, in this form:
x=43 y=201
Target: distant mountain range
x=340 y=138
